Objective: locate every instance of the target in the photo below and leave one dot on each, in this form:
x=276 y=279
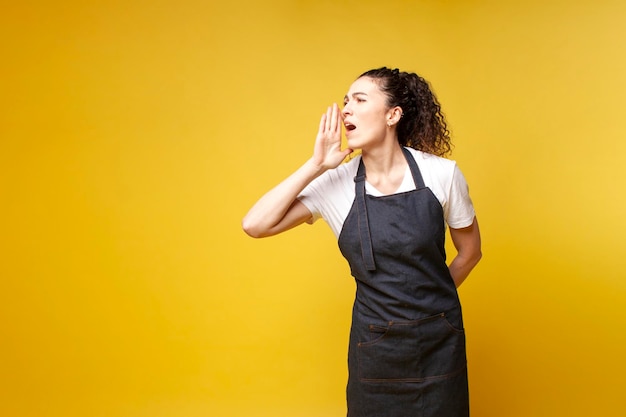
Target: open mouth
x=349 y=127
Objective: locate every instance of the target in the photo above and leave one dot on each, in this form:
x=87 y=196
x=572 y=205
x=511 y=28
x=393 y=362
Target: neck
x=383 y=160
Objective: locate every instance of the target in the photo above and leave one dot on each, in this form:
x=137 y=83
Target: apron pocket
x=413 y=351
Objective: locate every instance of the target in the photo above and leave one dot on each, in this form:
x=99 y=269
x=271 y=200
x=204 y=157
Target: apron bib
x=406 y=356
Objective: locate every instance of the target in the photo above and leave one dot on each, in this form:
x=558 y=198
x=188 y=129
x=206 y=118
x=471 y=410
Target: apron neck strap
x=417 y=175
x=363 y=222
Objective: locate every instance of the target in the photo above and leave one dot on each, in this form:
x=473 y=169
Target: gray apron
x=407 y=345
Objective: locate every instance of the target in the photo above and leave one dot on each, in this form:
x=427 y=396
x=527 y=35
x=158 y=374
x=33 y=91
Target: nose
x=346 y=110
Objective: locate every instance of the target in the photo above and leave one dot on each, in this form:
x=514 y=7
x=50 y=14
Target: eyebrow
x=353 y=94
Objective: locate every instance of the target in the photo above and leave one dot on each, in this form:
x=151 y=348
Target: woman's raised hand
x=327 y=153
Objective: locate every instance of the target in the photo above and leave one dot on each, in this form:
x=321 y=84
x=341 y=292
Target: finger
x=322 y=123
x=329 y=115
x=334 y=121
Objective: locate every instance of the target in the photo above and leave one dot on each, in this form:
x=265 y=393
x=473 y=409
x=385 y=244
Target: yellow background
x=136 y=134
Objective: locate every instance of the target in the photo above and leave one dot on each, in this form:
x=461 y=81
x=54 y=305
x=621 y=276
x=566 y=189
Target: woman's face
x=365 y=114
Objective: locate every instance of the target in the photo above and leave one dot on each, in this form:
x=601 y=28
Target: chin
x=354 y=143
x=365 y=140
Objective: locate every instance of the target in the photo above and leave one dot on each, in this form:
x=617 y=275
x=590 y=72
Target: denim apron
x=406 y=356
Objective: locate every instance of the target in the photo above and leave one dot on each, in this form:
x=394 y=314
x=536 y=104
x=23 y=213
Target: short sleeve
x=330 y=195
x=311 y=197
x=459 y=212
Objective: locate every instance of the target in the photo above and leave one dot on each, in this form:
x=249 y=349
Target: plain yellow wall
x=136 y=134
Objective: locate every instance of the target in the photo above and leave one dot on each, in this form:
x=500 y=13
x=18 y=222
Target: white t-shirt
x=330 y=196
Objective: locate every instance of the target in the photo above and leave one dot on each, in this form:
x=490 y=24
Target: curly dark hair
x=423 y=125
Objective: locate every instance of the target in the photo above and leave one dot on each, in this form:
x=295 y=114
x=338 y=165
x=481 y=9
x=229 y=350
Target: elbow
x=477 y=256
x=249 y=229
x=471 y=259
x=252 y=229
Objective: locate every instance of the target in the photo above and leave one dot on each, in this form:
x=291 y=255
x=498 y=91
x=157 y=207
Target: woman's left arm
x=467 y=243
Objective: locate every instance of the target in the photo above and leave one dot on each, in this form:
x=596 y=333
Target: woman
x=389 y=209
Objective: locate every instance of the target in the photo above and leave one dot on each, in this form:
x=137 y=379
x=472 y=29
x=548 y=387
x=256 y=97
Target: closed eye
x=359 y=97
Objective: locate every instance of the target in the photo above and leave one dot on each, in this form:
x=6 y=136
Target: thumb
x=347 y=152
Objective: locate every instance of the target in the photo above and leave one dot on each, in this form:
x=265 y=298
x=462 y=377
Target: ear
x=394 y=115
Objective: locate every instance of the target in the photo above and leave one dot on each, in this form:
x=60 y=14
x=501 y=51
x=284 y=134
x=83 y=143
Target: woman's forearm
x=468 y=246
x=273 y=208
x=461 y=266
